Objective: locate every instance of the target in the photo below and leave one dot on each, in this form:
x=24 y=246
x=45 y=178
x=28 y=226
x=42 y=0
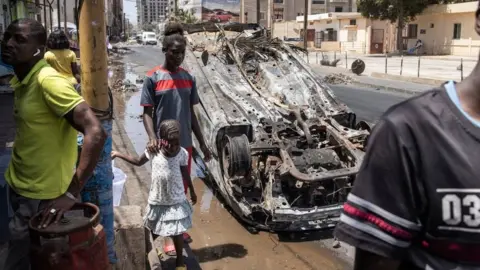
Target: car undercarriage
x=285 y=150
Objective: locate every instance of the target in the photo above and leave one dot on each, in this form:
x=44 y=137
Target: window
x=262 y=15
x=353 y=22
x=338 y=9
x=412 y=31
x=352 y=36
x=278 y=13
x=318 y=2
x=457 y=31
x=278 y=1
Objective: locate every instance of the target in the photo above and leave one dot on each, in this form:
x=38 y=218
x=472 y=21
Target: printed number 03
x=452 y=210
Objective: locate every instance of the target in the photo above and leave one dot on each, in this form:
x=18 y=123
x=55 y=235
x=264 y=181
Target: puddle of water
x=207 y=198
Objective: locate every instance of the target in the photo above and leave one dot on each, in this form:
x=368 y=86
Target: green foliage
x=186 y=17
x=392 y=9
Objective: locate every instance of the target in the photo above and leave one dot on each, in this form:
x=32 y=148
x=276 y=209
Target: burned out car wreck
x=285 y=150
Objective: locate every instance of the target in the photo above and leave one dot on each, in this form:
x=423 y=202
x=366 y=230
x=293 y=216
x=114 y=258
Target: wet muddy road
x=219 y=240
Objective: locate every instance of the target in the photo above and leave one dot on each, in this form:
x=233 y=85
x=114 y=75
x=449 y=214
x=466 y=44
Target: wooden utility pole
x=305 y=26
x=93 y=54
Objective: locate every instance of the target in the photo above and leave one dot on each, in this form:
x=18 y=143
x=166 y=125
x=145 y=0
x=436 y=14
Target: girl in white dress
x=168 y=213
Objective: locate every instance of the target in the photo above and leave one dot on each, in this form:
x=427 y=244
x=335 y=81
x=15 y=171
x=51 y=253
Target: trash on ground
x=338 y=78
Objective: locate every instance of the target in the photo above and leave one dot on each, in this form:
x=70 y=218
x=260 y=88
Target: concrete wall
x=436 y=32
x=290 y=29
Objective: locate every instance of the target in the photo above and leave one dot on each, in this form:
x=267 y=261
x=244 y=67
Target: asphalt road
x=367 y=103
x=220 y=241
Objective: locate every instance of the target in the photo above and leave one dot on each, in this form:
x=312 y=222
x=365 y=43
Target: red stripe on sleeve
x=398 y=232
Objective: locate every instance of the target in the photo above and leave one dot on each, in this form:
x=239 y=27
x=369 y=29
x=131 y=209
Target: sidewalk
x=377 y=83
x=442 y=68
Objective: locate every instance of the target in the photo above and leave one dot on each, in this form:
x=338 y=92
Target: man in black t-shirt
x=415 y=203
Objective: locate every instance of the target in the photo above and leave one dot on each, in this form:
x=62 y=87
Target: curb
x=387 y=88
x=434 y=82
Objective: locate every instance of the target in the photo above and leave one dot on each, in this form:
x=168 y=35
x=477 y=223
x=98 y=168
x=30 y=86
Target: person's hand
x=193 y=197
x=114 y=155
x=153 y=146
x=206 y=152
x=55 y=210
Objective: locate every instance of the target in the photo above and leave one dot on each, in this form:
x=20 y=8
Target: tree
x=148 y=27
x=399 y=11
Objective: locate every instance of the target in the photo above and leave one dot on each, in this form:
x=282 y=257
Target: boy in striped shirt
x=170 y=92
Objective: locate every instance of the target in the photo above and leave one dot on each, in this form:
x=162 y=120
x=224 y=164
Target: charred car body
x=285 y=150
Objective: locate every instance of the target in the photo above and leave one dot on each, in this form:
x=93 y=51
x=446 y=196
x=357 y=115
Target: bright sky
x=130 y=10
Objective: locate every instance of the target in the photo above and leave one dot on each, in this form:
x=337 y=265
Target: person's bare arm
x=148 y=122
x=84 y=120
x=371 y=261
x=137 y=161
x=188 y=179
x=196 y=127
x=76 y=71
x=147 y=101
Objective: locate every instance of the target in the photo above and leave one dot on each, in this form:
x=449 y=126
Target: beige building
x=288 y=10
x=443 y=29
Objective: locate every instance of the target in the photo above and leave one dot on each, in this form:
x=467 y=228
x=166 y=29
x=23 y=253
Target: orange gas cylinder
x=77 y=242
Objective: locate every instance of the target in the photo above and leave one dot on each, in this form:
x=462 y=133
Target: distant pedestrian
x=415 y=203
x=42 y=175
x=61 y=58
x=168 y=213
x=170 y=92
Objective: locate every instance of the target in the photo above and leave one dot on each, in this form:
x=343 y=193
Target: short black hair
x=36 y=29
x=169 y=129
x=173 y=33
x=58 y=40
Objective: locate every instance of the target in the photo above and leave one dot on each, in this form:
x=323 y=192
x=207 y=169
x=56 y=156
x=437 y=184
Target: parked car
x=149 y=38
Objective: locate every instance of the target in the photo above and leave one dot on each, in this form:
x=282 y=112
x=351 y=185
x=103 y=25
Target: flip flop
x=170 y=250
x=181 y=268
x=187 y=238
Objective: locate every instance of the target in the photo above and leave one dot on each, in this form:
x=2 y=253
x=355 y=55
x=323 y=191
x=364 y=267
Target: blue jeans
x=98 y=189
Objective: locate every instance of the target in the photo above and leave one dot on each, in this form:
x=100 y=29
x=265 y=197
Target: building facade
x=151 y=11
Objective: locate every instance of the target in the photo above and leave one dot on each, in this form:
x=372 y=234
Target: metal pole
x=305 y=25
x=258 y=11
x=461 y=68
x=93 y=59
x=39 y=16
x=401 y=65
x=418 y=68
x=51 y=17
x=59 y=17
x=346 y=60
x=65 y=16
x=386 y=63
x=317 y=57
x=45 y=14
x=124 y=25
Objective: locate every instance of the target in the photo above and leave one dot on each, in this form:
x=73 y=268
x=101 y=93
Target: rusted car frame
x=286 y=151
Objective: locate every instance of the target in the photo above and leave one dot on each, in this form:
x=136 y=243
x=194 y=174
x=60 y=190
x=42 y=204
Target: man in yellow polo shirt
x=42 y=175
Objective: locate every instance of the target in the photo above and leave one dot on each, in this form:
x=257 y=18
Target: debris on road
x=124 y=86
x=338 y=78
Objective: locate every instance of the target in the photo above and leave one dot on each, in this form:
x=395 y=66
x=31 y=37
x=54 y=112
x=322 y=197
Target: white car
x=149 y=38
